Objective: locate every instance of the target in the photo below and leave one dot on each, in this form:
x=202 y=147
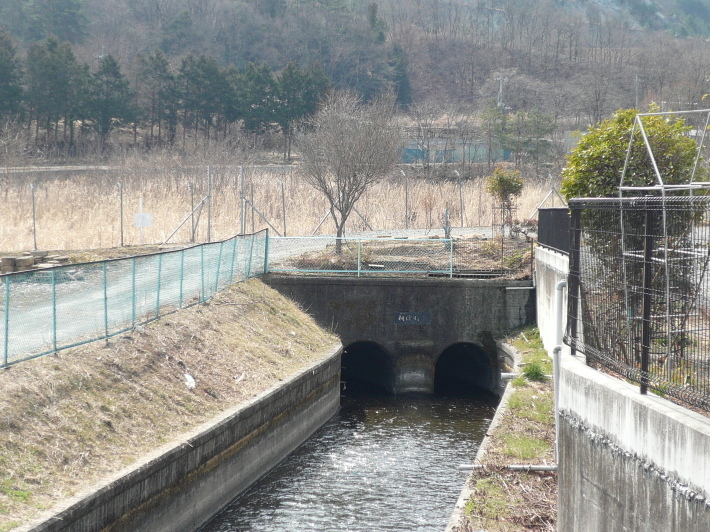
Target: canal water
x=382 y=463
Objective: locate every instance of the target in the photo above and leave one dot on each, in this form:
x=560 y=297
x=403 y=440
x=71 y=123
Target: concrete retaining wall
x=551 y=267
x=628 y=461
x=183 y=485
x=414 y=319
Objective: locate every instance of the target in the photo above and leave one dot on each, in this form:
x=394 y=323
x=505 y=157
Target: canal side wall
x=181 y=486
x=627 y=461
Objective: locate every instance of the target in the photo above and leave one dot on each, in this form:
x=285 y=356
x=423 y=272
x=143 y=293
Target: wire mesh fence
x=640 y=290
x=399 y=256
x=145 y=203
x=46 y=310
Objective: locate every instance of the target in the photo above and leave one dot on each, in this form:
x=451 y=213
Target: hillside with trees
x=184 y=73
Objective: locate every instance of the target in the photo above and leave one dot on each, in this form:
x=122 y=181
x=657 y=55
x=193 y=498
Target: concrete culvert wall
x=464 y=368
x=367 y=366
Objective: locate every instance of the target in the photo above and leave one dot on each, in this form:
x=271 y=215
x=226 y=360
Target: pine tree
x=298 y=94
x=10 y=77
x=111 y=100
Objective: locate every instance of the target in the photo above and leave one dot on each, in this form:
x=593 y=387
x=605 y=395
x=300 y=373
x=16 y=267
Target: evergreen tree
x=179 y=35
x=595 y=166
x=111 y=99
x=158 y=95
x=62 y=18
x=10 y=77
x=298 y=94
x=203 y=91
x=257 y=93
x=402 y=87
x=51 y=75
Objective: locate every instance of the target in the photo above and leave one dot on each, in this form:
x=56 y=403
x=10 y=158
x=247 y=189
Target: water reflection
x=383 y=463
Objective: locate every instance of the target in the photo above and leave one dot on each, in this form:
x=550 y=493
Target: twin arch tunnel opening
x=462 y=369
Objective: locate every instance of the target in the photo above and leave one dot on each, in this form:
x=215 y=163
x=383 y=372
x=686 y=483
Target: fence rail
x=639 y=292
x=47 y=310
x=401 y=256
x=43 y=311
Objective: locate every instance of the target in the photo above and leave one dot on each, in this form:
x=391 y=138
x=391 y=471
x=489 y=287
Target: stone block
x=24 y=262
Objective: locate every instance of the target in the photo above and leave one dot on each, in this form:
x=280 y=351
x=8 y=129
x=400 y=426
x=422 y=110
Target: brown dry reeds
x=81 y=209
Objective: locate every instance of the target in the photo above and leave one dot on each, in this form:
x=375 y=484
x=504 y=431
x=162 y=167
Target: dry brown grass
x=511 y=501
x=79 y=210
x=69 y=419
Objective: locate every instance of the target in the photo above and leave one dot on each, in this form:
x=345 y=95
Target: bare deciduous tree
x=350 y=148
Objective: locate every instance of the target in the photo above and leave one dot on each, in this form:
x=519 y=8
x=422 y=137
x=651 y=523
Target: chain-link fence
x=639 y=287
x=46 y=310
x=397 y=256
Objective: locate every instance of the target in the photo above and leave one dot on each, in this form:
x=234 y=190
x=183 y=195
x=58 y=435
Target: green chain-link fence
x=46 y=310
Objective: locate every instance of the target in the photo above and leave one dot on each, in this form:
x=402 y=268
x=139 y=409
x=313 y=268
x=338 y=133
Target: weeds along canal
x=382 y=463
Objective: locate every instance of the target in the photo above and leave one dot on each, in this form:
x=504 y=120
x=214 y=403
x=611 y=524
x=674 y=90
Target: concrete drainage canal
x=384 y=462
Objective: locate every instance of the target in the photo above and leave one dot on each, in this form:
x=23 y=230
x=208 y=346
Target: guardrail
x=43 y=311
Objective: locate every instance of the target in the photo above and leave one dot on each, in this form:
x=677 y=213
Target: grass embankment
x=70 y=419
x=504 y=500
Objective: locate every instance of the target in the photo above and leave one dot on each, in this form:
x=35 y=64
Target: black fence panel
x=639 y=285
x=553 y=228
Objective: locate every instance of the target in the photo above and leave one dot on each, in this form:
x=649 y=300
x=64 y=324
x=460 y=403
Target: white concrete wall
x=551 y=267
x=628 y=461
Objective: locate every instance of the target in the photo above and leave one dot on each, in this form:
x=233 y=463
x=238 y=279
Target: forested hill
x=575 y=60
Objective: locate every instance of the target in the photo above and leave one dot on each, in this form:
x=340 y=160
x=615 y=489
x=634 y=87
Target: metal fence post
x=54 y=310
x=219 y=267
x=251 y=254
x=209 y=204
x=202 y=273
x=451 y=258
x=105 y=303
x=133 y=291
x=359 y=256
x=6 y=354
x=157 y=295
x=242 y=202
x=120 y=192
x=34 y=218
x=266 y=250
x=283 y=205
x=646 y=308
x=573 y=294
x=182 y=274
x=234 y=259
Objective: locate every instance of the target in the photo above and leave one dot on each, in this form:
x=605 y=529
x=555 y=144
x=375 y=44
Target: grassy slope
x=504 y=500
x=69 y=419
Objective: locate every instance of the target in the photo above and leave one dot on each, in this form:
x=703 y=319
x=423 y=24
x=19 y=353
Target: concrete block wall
x=181 y=486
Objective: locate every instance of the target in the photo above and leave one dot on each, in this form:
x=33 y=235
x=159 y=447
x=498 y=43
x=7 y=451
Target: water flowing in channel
x=382 y=463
